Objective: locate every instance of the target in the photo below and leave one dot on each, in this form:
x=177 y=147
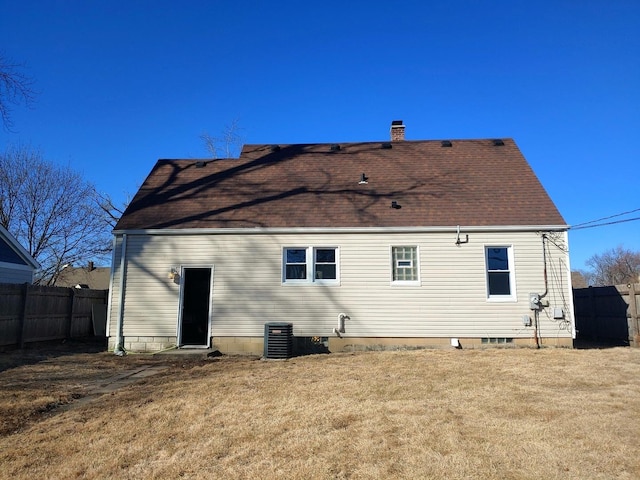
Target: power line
x=607 y=218
x=604 y=224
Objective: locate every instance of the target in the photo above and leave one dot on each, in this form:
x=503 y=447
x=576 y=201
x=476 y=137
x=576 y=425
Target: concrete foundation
x=255 y=345
x=144 y=344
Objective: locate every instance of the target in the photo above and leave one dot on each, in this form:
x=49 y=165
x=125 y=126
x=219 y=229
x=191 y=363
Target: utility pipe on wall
x=341 y=321
x=544 y=262
x=536 y=313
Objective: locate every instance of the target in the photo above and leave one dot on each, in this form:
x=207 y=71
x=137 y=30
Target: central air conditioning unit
x=278 y=340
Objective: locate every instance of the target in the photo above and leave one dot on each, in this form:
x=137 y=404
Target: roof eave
x=19 y=249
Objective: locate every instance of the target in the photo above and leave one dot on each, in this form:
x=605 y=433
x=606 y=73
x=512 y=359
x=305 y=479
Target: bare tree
x=614 y=267
x=226 y=145
x=15 y=88
x=111 y=212
x=51 y=210
x=580 y=279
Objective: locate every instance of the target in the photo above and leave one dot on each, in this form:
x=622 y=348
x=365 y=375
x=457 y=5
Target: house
x=16 y=264
x=368 y=245
x=89 y=276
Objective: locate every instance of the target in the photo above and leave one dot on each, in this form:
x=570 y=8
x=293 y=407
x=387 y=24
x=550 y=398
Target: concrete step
x=190 y=353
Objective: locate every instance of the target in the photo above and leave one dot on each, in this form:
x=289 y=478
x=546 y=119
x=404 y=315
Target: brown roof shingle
x=471 y=183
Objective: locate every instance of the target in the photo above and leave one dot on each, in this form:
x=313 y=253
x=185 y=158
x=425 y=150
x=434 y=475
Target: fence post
x=632 y=317
x=594 y=314
x=72 y=303
x=23 y=315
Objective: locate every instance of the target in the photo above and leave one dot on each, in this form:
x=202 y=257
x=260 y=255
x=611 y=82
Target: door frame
x=181 y=309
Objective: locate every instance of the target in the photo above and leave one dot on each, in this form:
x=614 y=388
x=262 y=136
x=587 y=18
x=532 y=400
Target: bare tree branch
x=111 y=212
x=614 y=267
x=15 y=88
x=226 y=145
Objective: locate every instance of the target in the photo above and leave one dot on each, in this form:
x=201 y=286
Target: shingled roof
x=470 y=183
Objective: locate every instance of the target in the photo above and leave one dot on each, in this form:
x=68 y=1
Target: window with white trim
x=325 y=266
x=295 y=264
x=303 y=265
x=404 y=265
x=499 y=265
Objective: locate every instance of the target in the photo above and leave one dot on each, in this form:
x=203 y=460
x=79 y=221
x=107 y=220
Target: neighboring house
x=95 y=278
x=16 y=265
x=357 y=245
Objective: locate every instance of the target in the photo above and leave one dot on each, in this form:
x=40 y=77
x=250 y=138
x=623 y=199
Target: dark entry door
x=196 y=299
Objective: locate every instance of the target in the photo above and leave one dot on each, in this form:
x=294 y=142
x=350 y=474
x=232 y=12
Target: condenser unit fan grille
x=278 y=340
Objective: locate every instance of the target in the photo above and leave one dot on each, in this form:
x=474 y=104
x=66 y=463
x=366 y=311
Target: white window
x=404 y=265
x=295 y=264
x=500 y=277
x=303 y=265
x=324 y=264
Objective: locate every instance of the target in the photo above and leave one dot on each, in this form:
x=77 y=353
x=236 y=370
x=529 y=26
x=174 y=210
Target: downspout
x=110 y=295
x=119 y=348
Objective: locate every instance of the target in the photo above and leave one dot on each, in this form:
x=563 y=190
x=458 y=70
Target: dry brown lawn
x=486 y=413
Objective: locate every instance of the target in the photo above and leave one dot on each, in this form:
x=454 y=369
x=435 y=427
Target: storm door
x=194 y=309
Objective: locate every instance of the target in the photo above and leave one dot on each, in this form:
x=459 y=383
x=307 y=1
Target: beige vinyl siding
x=451 y=300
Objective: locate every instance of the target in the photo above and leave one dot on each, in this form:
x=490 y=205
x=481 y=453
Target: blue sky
x=122 y=84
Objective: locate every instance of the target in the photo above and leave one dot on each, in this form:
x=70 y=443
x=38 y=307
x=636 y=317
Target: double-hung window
x=304 y=265
x=325 y=266
x=295 y=264
x=404 y=265
x=500 y=277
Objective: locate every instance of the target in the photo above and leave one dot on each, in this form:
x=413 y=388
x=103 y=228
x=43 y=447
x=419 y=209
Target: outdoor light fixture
x=173 y=273
x=363 y=179
x=395 y=205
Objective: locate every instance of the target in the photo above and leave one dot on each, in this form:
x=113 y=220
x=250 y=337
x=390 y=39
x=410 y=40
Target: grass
x=486 y=413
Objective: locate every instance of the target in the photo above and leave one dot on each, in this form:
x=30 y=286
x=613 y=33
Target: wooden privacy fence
x=30 y=313
x=608 y=314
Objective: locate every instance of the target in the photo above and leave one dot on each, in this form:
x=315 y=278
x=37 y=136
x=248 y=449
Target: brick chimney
x=397 y=131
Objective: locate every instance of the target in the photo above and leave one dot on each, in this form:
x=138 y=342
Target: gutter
x=281 y=230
